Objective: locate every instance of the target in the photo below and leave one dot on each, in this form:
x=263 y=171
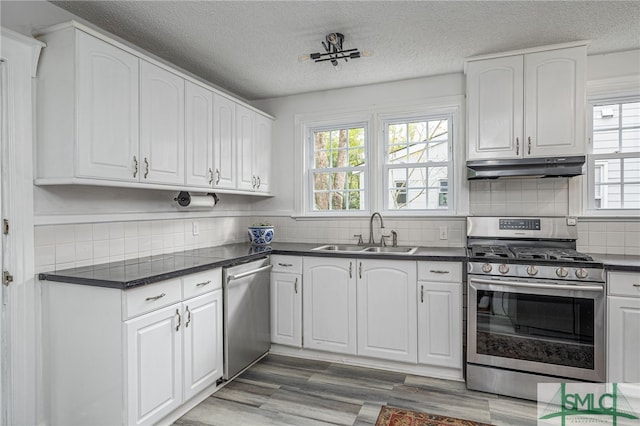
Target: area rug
x=390 y=416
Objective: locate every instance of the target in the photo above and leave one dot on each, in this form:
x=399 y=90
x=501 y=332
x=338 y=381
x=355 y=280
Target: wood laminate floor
x=281 y=390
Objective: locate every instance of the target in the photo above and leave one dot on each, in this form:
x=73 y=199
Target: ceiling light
x=334 y=52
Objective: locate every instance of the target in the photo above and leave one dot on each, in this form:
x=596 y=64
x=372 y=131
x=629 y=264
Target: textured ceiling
x=252 y=47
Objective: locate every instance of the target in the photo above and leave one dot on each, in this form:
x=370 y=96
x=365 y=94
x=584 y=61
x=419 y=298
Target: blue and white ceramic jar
x=261 y=235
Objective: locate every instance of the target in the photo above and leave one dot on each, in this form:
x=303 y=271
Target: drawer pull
x=160 y=296
x=203 y=284
x=438 y=271
x=421 y=294
x=636 y=285
x=286 y=265
x=179 y=320
x=295 y=286
x=188 y=318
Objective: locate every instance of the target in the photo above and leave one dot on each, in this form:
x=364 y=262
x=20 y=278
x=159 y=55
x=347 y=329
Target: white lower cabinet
x=113 y=357
x=329 y=297
x=623 y=327
x=440 y=314
x=286 y=300
x=387 y=317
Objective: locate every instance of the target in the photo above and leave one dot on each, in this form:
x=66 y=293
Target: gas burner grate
x=545 y=253
x=491 y=252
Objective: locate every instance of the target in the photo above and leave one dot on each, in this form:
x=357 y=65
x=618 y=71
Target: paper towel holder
x=184 y=198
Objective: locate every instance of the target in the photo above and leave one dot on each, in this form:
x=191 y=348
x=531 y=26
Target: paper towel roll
x=188 y=201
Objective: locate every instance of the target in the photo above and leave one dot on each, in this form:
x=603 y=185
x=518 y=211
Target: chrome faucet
x=371 y=241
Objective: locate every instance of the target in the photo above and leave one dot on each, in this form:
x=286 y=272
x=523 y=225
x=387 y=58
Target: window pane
x=356 y=138
x=632 y=170
x=439 y=151
x=630 y=140
x=398 y=154
x=606 y=116
x=610 y=196
x=605 y=142
x=632 y=196
x=438 y=130
x=436 y=175
x=397 y=134
x=416 y=177
x=418 y=132
x=416 y=199
x=631 y=114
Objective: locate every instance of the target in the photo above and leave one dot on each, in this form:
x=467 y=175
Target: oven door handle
x=550 y=286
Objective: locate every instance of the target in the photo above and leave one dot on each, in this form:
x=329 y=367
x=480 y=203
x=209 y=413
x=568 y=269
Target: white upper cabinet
x=198 y=135
x=224 y=147
x=161 y=125
x=111 y=115
x=527 y=105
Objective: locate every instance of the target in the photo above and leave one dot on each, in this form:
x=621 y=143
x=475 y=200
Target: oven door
x=554 y=328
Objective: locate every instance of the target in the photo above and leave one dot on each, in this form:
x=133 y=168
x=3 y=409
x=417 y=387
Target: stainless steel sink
x=391 y=250
x=364 y=249
x=339 y=247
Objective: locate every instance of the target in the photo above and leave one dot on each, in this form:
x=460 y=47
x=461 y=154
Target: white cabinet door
x=154 y=365
x=440 y=324
x=107 y=111
x=555 y=102
x=329 y=299
x=245 y=137
x=262 y=153
x=161 y=125
x=202 y=319
x=387 y=317
x=495 y=108
x=198 y=135
x=286 y=309
x=224 y=146
x=623 y=340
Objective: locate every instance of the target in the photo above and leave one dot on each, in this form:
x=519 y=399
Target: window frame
x=589 y=204
x=309 y=161
x=429 y=114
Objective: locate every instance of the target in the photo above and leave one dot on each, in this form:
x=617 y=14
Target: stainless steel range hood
x=528 y=167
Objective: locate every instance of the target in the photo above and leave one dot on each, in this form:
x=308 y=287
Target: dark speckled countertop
x=146 y=270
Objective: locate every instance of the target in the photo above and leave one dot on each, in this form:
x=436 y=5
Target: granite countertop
x=131 y=273
x=146 y=270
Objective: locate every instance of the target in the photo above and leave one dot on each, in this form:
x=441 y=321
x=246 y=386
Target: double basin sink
x=364 y=249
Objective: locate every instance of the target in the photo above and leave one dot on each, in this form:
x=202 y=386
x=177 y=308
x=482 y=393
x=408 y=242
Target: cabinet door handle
x=217 y=176
x=517 y=146
x=350 y=269
x=146 y=167
x=438 y=271
x=203 y=283
x=636 y=285
x=179 y=320
x=210 y=176
x=188 y=318
x=253 y=182
x=160 y=296
x=360 y=270
x=529 y=146
x=295 y=286
x=135 y=166
x=421 y=294
x=258 y=178
x=286 y=265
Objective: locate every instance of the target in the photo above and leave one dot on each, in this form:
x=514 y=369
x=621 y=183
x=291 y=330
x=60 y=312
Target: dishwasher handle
x=248 y=273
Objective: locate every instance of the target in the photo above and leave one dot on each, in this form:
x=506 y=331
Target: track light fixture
x=334 y=52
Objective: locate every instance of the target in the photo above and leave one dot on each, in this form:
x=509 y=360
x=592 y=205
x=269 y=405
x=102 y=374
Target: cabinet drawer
x=440 y=271
x=624 y=283
x=151 y=297
x=201 y=283
x=292 y=264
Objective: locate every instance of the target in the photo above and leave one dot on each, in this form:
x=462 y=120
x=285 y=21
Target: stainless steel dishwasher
x=247 y=333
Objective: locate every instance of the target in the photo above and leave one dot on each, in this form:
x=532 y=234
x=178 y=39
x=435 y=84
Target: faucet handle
x=383 y=243
x=360 y=242
x=394 y=234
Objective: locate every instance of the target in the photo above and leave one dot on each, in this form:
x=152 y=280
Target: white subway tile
x=100 y=231
x=65 y=253
x=44 y=235
x=83 y=232
x=45 y=255
x=65 y=234
x=116 y=230
x=84 y=251
x=116 y=247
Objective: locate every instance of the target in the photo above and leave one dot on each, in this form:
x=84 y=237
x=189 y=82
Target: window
x=417 y=163
x=614 y=164
x=338 y=173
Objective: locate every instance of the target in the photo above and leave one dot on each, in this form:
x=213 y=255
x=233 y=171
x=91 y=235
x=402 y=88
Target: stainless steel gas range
x=536 y=306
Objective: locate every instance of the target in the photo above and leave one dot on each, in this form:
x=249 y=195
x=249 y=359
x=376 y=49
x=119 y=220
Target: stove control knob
x=503 y=268
x=532 y=270
x=582 y=273
x=486 y=268
x=562 y=272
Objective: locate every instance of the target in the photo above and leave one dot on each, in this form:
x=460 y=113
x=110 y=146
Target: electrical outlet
x=195 y=228
x=572 y=221
x=443 y=233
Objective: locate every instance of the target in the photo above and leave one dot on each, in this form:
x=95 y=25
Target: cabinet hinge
x=7 y=278
x=5 y=226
